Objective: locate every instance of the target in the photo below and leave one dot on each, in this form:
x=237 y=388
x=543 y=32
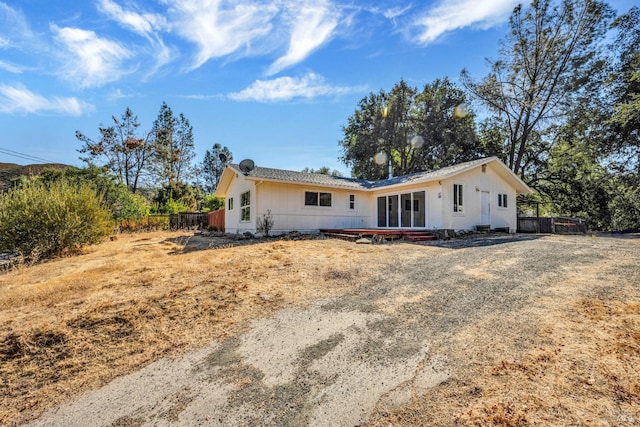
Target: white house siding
x=474 y=183
x=287 y=205
x=283 y=194
x=232 y=221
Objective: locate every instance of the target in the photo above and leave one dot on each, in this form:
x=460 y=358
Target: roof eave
x=225 y=181
x=303 y=183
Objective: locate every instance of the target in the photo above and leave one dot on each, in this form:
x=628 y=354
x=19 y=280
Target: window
x=231 y=203
x=502 y=200
x=352 y=201
x=245 y=206
x=457 y=197
x=313 y=198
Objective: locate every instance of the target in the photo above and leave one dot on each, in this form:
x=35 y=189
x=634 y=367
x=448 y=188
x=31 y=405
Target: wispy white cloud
x=4 y=42
x=220 y=27
x=12 y=68
x=202 y=97
x=117 y=94
x=90 y=60
x=142 y=23
x=147 y=25
x=18 y=99
x=312 y=25
x=451 y=15
x=287 y=88
x=395 y=12
x=13 y=27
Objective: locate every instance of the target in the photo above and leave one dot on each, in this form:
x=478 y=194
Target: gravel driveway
x=416 y=324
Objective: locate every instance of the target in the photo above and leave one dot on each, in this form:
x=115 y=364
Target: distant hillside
x=10 y=172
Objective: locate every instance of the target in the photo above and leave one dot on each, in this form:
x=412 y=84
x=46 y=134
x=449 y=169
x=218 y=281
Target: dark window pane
x=325 y=199
x=245 y=198
x=393 y=211
x=310 y=198
x=382 y=211
x=455 y=197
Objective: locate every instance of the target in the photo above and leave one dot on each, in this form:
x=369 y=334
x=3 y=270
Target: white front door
x=485 y=208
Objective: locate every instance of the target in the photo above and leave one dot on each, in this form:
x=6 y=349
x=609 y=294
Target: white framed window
x=502 y=200
x=230 y=203
x=458 y=199
x=317 y=198
x=245 y=206
x=352 y=201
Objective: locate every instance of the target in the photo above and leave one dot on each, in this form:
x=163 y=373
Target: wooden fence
x=555 y=225
x=188 y=220
x=147 y=223
x=215 y=219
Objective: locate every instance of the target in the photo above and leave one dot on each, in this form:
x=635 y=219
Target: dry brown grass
x=73 y=324
x=583 y=368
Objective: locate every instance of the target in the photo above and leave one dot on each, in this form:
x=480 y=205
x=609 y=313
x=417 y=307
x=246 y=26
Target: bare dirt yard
x=160 y=329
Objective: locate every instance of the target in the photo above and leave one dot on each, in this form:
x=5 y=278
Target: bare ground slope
x=503 y=330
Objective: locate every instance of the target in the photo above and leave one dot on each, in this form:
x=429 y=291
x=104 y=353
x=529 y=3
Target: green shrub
x=176 y=198
x=212 y=203
x=44 y=220
x=170 y=207
x=127 y=205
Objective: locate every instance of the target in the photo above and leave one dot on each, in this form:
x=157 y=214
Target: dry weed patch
x=581 y=369
x=73 y=324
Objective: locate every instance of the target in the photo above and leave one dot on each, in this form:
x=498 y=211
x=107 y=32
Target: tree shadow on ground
x=618 y=235
x=481 y=240
x=203 y=241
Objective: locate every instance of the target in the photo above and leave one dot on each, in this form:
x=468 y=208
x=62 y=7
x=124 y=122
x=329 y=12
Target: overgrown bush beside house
x=42 y=220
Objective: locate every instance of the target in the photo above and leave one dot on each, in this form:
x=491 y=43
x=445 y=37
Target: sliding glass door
x=405 y=210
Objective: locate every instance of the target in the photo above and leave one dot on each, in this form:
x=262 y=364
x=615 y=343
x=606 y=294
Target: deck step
x=419 y=236
x=422 y=238
x=391 y=234
x=343 y=236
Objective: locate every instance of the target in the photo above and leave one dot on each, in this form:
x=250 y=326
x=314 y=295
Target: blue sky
x=272 y=80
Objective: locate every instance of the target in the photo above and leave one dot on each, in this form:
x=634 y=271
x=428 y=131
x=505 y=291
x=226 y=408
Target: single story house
x=459 y=197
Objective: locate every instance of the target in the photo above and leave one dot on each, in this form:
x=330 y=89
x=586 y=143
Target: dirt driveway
x=509 y=330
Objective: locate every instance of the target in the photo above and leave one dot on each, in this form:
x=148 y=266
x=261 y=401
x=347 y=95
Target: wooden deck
x=412 y=234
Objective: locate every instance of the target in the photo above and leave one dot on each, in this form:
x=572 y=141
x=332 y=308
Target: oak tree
x=545 y=65
x=409 y=130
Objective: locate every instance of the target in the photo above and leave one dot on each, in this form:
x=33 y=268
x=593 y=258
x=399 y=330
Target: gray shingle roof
x=304 y=177
x=430 y=175
x=361 y=184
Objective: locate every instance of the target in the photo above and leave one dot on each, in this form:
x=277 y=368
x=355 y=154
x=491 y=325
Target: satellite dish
x=247 y=166
x=222 y=157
